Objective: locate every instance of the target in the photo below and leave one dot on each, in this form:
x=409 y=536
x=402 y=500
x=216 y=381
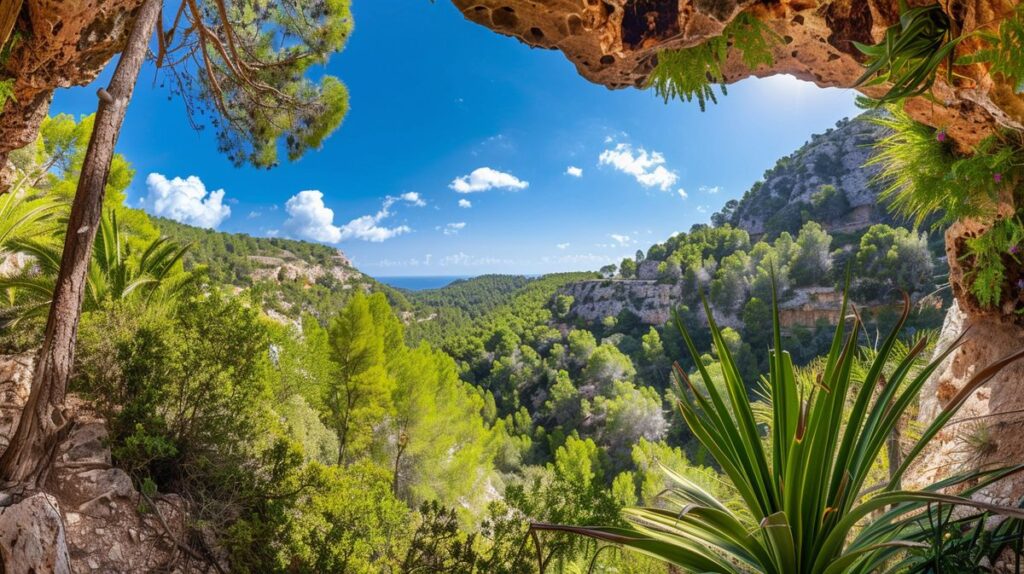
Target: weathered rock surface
x=32 y=537
x=90 y=518
x=62 y=43
x=835 y=158
x=652 y=303
x=290 y=268
x=987 y=431
x=616 y=42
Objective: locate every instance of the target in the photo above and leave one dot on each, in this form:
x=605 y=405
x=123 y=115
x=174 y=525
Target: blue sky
x=440 y=105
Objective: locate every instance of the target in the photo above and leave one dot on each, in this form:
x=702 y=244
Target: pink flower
x=1014 y=249
x=998 y=177
x=941 y=136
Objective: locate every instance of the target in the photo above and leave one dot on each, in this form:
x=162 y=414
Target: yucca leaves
x=909 y=57
x=809 y=506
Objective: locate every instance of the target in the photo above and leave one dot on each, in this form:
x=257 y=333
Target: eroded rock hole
x=647 y=22
x=504 y=18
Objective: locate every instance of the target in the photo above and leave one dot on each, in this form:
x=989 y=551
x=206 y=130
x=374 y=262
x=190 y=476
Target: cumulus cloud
x=710 y=189
x=648 y=168
x=253 y=215
x=309 y=218
x=185 y=200
x=453 y=228
x=485 y=178
x=413 y=197
x=563 y=246
x=574 y=171
x=465 y=203
x=682 y=193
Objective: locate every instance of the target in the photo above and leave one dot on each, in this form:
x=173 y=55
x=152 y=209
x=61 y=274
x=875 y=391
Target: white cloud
x=485 y=178
x=309 y=218
x=413 y=197
x=647 y=168
x=574 y=171
x=622 y=239
x=185 y=200
x=253 y=215
x=563 y=246
x=453 y=228
x=682 y=193
x=465 y=203
x=710 y=189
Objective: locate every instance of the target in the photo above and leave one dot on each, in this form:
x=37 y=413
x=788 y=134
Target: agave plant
x=911 y=53
x=808 y=504
x=116 y=272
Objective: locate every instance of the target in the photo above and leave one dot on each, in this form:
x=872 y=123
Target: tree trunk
x=30 y=453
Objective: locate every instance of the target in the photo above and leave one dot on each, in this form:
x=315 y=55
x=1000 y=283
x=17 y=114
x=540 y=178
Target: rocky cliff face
x=825 y=178
x=650 y=301
x=288 y=267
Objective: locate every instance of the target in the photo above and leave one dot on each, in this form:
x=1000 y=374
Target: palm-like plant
x=116 y=272
x=808 y=505
x=22 y=217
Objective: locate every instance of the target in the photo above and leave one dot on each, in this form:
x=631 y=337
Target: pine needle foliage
x=690 y=73
x=807 y=484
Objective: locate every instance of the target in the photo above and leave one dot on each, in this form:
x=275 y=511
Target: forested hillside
x=288 y=277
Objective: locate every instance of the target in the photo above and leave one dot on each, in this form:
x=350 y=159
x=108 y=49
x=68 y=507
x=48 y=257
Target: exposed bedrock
x=59 y=43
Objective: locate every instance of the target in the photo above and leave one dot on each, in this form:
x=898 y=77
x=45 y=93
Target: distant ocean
x=421 y=283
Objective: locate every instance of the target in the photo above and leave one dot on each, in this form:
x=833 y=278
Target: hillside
x=823 y=181
x=289 y=277
x=816 y=214
x=475 y=296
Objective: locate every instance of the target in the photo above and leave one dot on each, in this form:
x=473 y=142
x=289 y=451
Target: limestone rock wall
x=650 y=301
x=987 y=431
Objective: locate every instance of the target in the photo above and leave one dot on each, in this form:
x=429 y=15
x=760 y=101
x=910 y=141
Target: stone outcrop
x=987 y=431
x=291 y=268
x=835 y=158
x=61 y=43
x=90 y=518
x=616 y=43
x=32 y=536
x=651 y=302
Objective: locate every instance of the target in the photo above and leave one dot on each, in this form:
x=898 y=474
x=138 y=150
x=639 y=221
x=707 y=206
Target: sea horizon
x=421 y=282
